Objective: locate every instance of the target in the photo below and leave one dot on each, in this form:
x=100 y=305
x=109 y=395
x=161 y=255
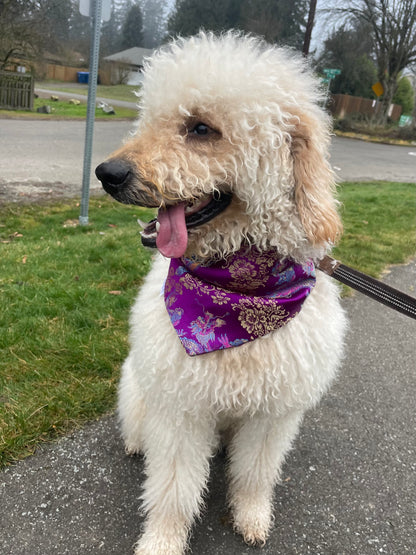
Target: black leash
x=369 y=286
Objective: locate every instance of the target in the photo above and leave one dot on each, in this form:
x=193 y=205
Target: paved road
x=49 y=154
x=355 y=160
x=348 y=486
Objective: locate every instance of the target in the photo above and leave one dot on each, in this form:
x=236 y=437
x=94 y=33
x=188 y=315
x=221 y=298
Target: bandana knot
x=227 y=303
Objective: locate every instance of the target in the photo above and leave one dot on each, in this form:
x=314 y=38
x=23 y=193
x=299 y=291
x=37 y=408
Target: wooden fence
x=341 y=105
x=70 y=74
x=63 y=73
x=16 y=91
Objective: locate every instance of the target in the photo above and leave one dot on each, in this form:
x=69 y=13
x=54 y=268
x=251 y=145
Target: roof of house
x=133 y=56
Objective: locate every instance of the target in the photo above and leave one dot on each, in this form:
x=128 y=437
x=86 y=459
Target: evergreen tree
x=405 y=95
x=111 y=29
x=155 y=15
x=132 y=31
x=189 y=16
x=281 y=21
x=278 y=21
x=349 y=49
x=79 y=31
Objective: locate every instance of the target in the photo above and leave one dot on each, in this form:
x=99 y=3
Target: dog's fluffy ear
x=314 y=182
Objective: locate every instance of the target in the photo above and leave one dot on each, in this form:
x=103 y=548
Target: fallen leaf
x=70 y=223
x=112 y=225
x=114 y=292
x=24 y=259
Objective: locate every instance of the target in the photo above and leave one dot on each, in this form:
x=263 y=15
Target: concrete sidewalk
x=349 y=485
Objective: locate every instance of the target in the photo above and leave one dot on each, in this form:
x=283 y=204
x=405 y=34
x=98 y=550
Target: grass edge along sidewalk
x=64 y=109
x=66 y=292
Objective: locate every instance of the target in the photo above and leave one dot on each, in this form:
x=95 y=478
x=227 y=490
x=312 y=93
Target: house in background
x=126 y=66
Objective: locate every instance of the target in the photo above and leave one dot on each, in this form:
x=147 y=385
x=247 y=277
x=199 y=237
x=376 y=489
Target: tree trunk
x=309 y=27
x=390 y=88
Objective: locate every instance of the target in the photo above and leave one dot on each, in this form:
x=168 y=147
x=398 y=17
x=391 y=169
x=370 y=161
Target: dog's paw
x=254 y=533
x=131 y=449
x=132 y=445
x=253 y=523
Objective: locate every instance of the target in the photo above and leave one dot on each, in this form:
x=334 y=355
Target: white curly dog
x=226 y=341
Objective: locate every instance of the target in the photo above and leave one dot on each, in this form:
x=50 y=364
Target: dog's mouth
x=169 y=231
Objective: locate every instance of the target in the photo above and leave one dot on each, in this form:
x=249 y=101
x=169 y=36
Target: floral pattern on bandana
x=227 y=303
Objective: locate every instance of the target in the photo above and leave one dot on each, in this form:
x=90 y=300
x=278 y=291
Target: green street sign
x=331 y=73
x=405 y=120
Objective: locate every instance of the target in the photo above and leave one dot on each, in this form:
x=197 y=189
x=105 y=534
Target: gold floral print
x=227 y=303
x=217 y=295
x=259 y=316
x=250 y=274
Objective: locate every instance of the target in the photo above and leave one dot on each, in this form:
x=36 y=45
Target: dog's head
x=231 y=146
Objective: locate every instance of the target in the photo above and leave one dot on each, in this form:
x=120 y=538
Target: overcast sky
x=323 y=26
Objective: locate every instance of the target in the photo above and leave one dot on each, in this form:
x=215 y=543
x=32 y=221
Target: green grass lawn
x=114 y=92
x=379 y=225
x=66 y=292
x=62 y=109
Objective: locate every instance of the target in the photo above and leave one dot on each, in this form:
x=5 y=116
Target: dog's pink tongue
x=172 y=237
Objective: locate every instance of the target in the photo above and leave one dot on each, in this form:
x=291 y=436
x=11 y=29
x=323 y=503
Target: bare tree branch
x=393 y=24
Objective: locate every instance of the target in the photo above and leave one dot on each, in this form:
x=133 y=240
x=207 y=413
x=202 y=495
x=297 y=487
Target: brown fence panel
x=16 y=91
x=59 y=73
x=396 y=112
x=69 y=74
x=343 y=104
x=63 y=73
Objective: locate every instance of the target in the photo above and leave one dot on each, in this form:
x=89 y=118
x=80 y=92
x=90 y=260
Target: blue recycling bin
x=83 y=76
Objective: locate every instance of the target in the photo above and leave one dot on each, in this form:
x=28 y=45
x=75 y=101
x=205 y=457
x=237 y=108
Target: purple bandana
x=235 y=300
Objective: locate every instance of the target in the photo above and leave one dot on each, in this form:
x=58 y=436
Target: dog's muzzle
x=119 y=179
x=169 y=231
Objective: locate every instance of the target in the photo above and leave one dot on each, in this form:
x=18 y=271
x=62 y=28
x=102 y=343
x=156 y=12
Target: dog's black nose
x=113 y=174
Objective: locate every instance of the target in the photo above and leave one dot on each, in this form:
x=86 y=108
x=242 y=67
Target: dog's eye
x=201 y=129
x=197 y=130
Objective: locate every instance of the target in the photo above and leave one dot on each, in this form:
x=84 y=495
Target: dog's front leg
x=177 y=451
x=131 y=408
x=257 y=453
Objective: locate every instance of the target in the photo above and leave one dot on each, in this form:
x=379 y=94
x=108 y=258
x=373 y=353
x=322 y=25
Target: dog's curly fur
x=267 y=144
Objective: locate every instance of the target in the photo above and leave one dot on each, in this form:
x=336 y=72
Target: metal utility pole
x=95 y=12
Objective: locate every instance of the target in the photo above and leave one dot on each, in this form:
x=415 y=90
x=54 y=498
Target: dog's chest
x=287 y=368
